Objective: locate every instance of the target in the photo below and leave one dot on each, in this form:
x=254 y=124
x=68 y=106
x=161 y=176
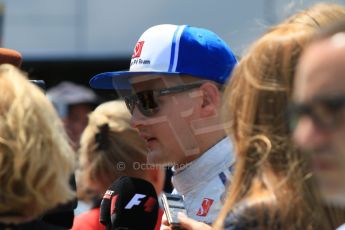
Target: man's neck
x=205 y=141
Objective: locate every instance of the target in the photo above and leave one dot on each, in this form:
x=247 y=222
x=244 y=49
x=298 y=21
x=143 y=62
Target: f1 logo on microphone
x=108 y=194
x=136 y=200
x=205 y=207
x=137 y=49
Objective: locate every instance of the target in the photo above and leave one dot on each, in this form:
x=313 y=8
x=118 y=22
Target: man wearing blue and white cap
x=174 y=91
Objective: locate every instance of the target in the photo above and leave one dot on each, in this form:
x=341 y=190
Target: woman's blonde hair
x=110 y=147
x=36 y=161
x=268 y=166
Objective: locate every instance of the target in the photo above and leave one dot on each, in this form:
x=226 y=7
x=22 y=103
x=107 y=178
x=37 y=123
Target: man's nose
x=308 y=135
x=138 y=119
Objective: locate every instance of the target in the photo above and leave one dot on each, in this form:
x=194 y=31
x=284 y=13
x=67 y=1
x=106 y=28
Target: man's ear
x=211 y=99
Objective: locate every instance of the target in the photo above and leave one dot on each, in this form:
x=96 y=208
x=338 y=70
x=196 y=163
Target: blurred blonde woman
x=111 y=148
x=272 y=186
x=36 y=160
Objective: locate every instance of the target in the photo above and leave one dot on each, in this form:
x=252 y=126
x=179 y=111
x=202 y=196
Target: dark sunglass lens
x=147 y=103
x=327 y=114
x=130 y=103
x=322 y=113
x=333 y=104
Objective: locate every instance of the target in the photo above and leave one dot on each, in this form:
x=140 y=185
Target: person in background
x=318 y=114
x=111 y=148
x=272 y=187
x=63 y=214
x=174 y=93
x=10 y=56
x=272 y=180
x=36 y=160
x=73 y=103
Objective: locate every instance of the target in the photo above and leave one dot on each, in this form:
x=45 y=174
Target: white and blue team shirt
x=204 y=182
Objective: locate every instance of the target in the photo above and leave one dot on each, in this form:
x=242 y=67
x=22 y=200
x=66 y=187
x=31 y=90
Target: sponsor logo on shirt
x=205 y=207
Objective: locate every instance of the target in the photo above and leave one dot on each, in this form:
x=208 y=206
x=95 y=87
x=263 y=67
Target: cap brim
x=120 y=80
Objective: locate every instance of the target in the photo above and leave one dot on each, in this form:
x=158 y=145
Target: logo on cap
x=108 y=194
x=137 y=49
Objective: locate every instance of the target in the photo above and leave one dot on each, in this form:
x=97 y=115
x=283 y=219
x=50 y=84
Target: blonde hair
x=110 y=148
x=36 y=160
x=268 y=166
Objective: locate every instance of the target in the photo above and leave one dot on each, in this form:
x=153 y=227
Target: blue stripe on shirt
x=223 y=178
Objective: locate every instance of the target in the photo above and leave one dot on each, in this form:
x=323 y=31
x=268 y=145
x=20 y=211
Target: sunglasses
x=147 y=101
x=325 y=112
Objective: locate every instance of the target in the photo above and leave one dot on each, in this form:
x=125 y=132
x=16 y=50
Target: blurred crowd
x=255 y=142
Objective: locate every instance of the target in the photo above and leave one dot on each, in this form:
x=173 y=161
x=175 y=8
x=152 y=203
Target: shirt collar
x=204 y=168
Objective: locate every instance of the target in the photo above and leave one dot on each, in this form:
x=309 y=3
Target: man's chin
x=156 y=157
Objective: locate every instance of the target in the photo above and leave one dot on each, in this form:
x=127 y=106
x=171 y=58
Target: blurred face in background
x=319 y=113
x=76 y=121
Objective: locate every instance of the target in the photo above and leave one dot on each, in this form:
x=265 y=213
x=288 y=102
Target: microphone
x=129 y=204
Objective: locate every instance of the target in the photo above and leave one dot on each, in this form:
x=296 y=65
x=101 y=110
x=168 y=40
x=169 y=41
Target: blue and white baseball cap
x=173 y=50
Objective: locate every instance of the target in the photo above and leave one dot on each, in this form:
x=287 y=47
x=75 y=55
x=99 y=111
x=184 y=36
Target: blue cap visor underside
x=120 y=80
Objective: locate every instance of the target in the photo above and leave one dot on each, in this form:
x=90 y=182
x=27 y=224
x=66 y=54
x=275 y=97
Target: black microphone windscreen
x=130 y=203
